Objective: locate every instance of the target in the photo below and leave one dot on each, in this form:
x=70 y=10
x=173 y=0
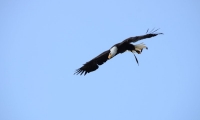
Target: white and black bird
x=121 y=47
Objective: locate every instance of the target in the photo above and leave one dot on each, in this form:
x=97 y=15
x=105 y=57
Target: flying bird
x=121 y=47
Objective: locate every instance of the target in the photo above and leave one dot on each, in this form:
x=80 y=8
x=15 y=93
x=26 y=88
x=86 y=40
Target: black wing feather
x=92 y=65
x=137 y=38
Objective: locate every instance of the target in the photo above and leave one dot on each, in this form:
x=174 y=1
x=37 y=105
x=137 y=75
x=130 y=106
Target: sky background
x=43 y=42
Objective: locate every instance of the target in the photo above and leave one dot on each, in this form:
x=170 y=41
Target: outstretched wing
x=93 y=64
x=137 y=38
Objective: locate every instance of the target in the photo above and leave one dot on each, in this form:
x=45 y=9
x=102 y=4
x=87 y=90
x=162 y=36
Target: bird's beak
x=109 y=56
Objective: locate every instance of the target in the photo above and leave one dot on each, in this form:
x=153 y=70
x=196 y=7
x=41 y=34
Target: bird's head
x=113 y=52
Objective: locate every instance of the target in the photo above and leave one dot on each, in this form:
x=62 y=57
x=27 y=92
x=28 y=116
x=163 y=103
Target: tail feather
x=139 y=48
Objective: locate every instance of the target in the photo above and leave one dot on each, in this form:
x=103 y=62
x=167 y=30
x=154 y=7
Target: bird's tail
x=139 y=48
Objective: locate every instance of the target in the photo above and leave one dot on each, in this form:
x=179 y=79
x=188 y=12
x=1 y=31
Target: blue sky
x=43 y=42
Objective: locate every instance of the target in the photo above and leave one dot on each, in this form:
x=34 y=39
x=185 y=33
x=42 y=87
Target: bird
x=116 y=49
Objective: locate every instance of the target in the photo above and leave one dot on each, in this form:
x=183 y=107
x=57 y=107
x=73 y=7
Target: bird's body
x=121 y=47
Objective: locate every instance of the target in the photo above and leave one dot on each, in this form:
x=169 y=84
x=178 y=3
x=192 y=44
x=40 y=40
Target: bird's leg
x=136 y=59
x=133 y=51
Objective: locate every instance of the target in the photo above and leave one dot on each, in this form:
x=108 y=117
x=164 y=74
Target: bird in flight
x=121 y=47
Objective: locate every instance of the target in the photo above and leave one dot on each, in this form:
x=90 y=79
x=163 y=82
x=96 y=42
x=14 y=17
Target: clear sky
x=43 y=42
